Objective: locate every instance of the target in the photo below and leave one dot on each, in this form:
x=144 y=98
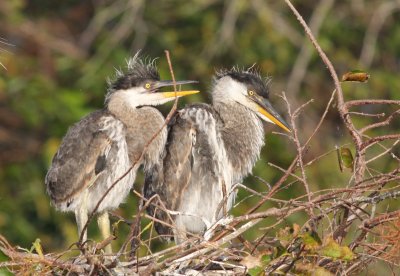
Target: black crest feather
x=250 y=77
x=137 y=71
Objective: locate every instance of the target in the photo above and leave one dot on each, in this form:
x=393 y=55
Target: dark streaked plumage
x=101 y=147
x=90 y=152
x=209 y=150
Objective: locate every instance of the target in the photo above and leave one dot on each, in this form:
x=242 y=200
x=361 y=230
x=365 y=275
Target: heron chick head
x=140 y=84
x=248 y=88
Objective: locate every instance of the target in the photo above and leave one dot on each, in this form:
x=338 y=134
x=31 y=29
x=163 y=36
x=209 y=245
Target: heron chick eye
x=147 y=85
x=250 y=92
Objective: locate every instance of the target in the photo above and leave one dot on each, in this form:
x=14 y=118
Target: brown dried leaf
x=356 y=75
x=251 y=261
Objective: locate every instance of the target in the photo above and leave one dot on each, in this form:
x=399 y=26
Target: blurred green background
x=58 y=55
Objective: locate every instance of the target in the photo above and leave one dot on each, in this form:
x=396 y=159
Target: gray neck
x=121 y=109
x=243 y=135
x=141 y=125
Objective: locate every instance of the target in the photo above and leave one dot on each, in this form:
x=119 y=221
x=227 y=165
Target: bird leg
x=104 y=225
x=81 y=216
x=179 y=231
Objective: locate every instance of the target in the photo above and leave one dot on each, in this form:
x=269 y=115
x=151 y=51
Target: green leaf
x=311 y=240
x=279 y=251
x=37 y=247
x=266 y=259
x=347 y=254
x=345 y=158
x=256 y=271
x=335 y=251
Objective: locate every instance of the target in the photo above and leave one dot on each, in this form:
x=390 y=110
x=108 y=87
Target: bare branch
x=377 y=139
x=342 y=108
x=370 y=101
x=380 y=124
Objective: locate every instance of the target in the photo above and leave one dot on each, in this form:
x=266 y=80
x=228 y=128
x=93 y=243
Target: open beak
x=174 y=94
x=269 y=114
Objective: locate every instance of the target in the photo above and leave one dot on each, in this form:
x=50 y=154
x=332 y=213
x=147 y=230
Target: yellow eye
x=147 y=85
x=251 y=93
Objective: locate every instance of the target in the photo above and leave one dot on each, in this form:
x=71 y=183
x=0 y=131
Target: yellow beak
x=178 y=93
x=276 y=119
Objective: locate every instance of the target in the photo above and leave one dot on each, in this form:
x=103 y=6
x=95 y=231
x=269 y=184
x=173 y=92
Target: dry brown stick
x=330 y=194
x=159 y=204
x=377 y=139
x=355 y=268
x=382 y=177
x=217 y=244
x=277 y=185
x=380 y=124
x=322 y=119
x=370 y=101
x=378 y=115
x=382 y=219
x=342 y=107
x=277 y=212
x=204 y=247
x=371 y=223
x=266 y=197
x=300 y=149
x=46 y=260
x=359 y=161
x=386 y=151
x=134 y=232
x=159 y=254
x=286 y=211
x=295 y=176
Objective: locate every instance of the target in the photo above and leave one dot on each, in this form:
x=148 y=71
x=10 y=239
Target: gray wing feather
x=172 y=174
x=170 y=180
x=80 y=158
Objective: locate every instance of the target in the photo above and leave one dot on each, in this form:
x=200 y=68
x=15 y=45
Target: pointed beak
x=269 y=114
x=174 y=94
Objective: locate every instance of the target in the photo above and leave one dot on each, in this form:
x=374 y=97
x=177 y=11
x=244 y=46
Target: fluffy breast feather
x=92 y=155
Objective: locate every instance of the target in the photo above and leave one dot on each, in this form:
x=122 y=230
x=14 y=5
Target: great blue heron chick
x=101 y=147
x=211 y=148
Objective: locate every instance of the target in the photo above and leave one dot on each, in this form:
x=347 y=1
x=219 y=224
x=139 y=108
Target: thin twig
x=342 y=107
x=370 y=101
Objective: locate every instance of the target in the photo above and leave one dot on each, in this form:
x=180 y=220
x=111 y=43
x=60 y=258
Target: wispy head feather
x=138 y=70
x=250 y=77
